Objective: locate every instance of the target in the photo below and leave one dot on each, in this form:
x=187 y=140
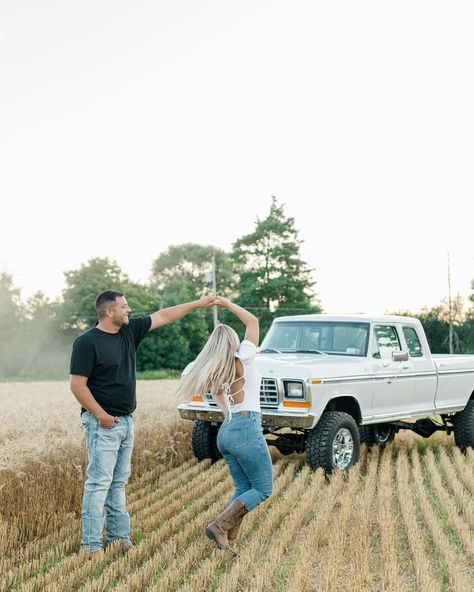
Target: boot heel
x=212 y=535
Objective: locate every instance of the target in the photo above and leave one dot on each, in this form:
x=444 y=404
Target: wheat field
x=402 y=519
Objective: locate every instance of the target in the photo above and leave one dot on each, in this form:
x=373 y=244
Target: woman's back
x=245 y=389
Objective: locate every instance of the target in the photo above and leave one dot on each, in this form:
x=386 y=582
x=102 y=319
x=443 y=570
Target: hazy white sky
x=126 y=127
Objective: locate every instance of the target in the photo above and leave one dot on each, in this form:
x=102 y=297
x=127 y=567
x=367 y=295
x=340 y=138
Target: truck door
x=394 y=385
x=423 y=367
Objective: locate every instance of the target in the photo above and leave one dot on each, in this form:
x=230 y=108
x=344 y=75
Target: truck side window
x=386 y=339
x=414 y=345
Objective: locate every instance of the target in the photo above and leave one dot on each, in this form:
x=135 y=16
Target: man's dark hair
x=105 y=300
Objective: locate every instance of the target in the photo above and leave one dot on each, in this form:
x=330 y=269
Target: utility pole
x=210 y=278
x=214 y=287
x=450 y=309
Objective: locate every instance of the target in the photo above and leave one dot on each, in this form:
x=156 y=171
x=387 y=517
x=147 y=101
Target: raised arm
x=252 y=331
x=174 y=313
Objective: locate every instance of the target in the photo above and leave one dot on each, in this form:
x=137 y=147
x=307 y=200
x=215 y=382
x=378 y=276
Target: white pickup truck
x=332 y=381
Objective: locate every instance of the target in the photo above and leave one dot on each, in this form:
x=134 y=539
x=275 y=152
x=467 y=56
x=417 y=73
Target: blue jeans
x=109 y=452
x=241 y=443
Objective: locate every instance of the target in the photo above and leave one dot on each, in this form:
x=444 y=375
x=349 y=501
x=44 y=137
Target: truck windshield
x=329 y=337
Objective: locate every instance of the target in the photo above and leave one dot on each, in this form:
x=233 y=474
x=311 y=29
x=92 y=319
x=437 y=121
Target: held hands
x=206 y=301
x=212 y=300
x=223 y=302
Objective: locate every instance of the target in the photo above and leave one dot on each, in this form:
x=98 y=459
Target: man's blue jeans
x=109 y=453
x=241 y=443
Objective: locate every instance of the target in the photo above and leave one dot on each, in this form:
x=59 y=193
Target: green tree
x=10 y=302
x=471 y=298
x=179 y=275
x=468 y=326
x=82 y=287
x=31 y=345
x=435 y=323
x=44 y=346
x=10 y=326
x=274 y=280
x=436 y=329
x=468 y=334
x=40 y=307
x=168 y=347
x=180 y=272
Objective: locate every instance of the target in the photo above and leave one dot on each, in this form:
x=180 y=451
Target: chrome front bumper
x=270 y=418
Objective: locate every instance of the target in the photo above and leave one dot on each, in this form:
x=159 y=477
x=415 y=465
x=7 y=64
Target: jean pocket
x=238 y=435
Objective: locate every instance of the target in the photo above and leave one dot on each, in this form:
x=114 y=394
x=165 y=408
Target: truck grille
x=268 y=392
x=210 y=400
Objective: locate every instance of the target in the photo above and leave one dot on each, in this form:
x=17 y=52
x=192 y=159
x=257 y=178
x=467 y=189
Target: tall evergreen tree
x=274 y=280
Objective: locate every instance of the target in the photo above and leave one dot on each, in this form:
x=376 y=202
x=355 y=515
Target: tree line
x=264 y=272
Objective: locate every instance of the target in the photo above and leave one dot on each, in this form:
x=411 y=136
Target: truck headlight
x=293 y=389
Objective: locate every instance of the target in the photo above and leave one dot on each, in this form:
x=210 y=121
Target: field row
x=401 y=519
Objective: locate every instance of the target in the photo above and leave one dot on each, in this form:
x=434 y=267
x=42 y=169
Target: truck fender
x=346 y=403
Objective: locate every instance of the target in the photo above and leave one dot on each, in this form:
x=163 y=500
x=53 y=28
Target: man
x=103 y=380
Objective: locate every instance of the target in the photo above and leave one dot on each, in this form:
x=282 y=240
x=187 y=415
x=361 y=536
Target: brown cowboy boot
x=226 y=521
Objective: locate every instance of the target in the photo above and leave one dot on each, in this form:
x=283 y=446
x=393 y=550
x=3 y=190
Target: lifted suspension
x=425 y=427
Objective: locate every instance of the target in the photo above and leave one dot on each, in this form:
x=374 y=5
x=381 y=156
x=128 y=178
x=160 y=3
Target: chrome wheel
x=342 y=449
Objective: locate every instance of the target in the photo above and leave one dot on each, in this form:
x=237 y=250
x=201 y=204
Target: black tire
x=379 y=433
x=366 y=433
x=319 y=444
x=383 y=433
x=204 y=441
x=463 y=427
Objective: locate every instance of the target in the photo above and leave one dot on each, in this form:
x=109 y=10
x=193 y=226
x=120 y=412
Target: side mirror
x=400 y=356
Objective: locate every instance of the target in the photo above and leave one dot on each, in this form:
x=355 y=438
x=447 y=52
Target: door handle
x=406 y=366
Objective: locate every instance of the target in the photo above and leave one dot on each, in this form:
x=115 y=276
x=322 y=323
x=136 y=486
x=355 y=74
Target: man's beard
x=123 y=321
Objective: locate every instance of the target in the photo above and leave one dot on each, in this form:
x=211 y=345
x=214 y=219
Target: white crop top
x=251 y=387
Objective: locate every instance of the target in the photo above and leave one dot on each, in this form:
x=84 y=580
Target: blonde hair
x=213 y=367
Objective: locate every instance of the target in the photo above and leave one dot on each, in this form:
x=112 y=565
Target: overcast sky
x=126 y=127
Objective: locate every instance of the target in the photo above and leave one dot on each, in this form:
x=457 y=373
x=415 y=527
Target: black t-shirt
x=108 y=360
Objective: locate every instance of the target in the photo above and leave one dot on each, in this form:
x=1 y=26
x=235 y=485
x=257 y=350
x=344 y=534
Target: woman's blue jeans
x=109 y=453
x=241 y=443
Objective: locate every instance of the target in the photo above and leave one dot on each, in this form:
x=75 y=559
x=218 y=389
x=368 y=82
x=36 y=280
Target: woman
x=226 y=369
